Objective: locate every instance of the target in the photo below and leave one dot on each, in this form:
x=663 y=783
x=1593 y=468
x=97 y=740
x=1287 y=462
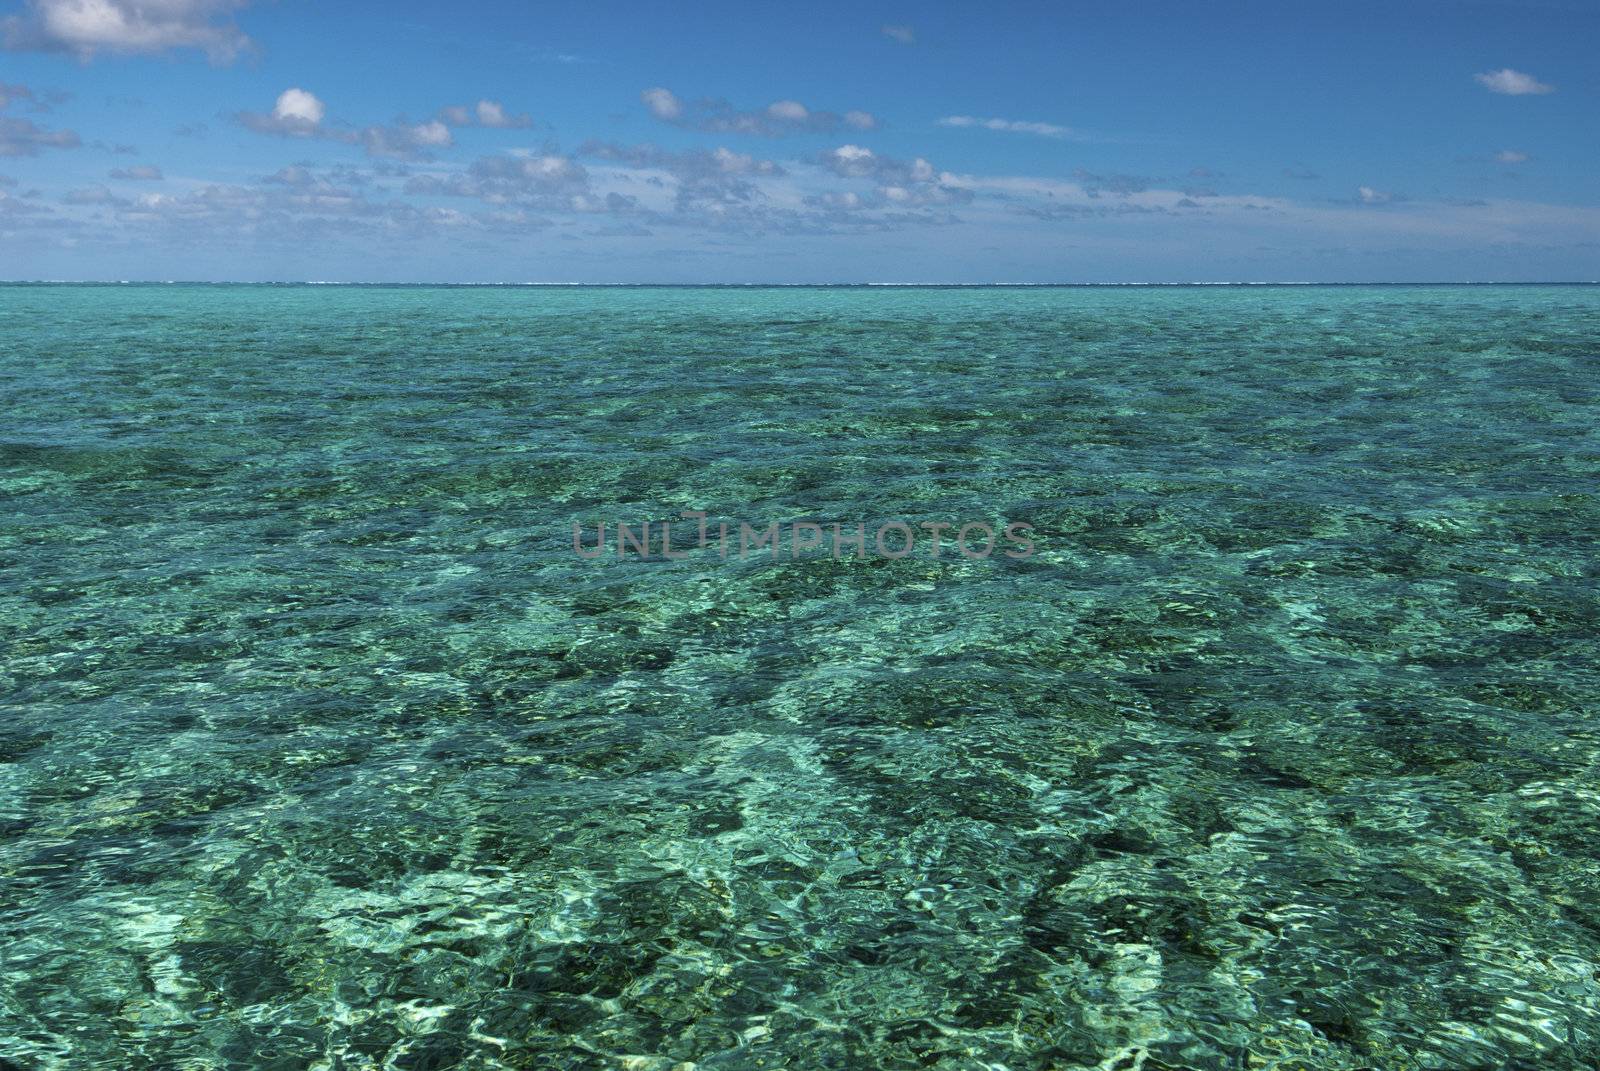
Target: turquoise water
x=321 y=748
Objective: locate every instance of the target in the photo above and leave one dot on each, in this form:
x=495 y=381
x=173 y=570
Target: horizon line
x=426 y=284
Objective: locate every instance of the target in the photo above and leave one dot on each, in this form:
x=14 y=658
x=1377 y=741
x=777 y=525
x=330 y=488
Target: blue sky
x=826 y=142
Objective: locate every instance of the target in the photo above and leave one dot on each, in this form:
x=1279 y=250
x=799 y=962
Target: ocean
x=341 y=730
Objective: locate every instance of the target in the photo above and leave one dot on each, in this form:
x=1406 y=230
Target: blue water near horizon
x=436 y=285
x=320 y=748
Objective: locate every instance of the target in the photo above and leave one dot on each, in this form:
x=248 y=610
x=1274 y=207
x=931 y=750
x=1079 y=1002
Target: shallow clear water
x=320 y=748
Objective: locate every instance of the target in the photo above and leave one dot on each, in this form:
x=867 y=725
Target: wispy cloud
x=13 y=92
x=23 y=137
x=694 y=162
x=93 y=196
x=20 y=137
x=1512 y=83
x=1013 y=126
x=85 y=28
x=1122 y=185
x=36 y=101
x=776 y=119
x=720 y=183
x=138 y=173
x=486 y=113
x=548 y=181
x=905 y=35
x=303 y=213
x=1510 y=156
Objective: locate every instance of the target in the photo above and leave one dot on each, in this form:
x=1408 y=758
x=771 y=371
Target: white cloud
x=87 y=27
x=493 y=114
x=906 y=35
x=861 y=120
x=433 y=133
x=1370 y=196
x=1014 y=126
x=663 y=104
x=850 y=161
x=1510 y=156
x=1512 y=83
x=298 y=106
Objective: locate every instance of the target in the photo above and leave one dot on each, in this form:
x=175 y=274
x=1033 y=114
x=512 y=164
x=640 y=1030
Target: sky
x=719 y=142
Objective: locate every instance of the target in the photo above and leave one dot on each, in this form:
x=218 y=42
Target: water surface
x=321 y=749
